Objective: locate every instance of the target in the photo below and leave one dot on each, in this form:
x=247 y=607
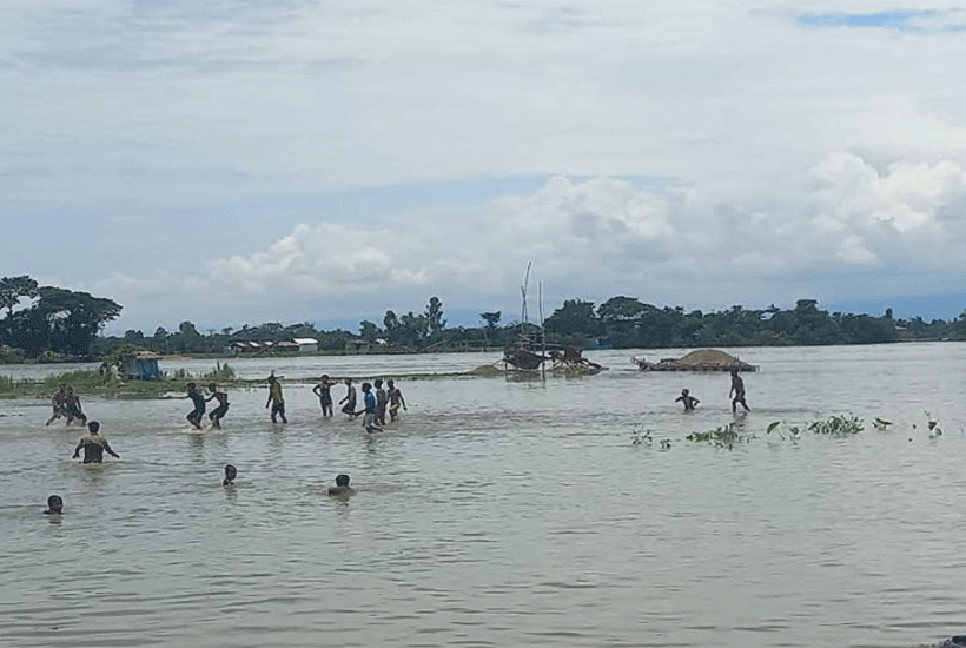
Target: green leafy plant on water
x=933 y=426
x=724 y=436
x=880 y=424
x=11 y=386
x=776 y=426
x=80 y=380
x=839 y=425
x=221 y=373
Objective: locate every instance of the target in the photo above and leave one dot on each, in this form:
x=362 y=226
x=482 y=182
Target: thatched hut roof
x=700 y=360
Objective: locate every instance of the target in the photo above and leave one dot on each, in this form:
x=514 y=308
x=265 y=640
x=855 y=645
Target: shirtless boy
x=341 y=489
x=72 y=405
x=219 y=412
x=94 y=445
x=349 y=399
x=395 y=400
x=59 y=401
x=737 y=393
x=687 y=400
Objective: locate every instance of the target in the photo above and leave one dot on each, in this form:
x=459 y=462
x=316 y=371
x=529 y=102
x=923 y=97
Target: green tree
x=492 y=319
x=13 y=289
x=434 y=316
x=574 y=321
x=368 y=331
x=65 y=321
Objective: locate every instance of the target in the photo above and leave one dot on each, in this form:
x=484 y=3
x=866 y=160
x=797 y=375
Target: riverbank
x=109 y=385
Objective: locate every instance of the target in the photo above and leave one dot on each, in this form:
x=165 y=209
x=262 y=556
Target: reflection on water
x=501 y=513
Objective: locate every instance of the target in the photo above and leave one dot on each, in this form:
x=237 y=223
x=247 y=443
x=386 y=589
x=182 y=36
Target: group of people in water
x=376 y=403
x=66 y=404
x=736 y=394
x=377 y=400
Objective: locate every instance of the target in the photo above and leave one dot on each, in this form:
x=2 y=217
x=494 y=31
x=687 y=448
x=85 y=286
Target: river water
x=501 y=513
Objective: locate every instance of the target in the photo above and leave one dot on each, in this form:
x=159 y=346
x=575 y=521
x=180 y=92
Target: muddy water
x=502 y=513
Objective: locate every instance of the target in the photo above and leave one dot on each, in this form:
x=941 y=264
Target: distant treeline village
x=47 y=323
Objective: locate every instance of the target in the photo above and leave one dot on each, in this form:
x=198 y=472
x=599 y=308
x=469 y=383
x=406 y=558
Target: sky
x=239 y=161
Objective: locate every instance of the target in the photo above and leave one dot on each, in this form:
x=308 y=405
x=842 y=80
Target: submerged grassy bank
x=109 y=385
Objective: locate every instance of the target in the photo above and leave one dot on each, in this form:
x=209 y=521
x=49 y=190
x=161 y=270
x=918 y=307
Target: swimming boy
x=395 y=399
x=369 y=420
x=341 y=488
x=58 y=400
x=276 y=399
x=687 y=400
x=324 y=391
x=381 y=402
x=230 y=474
x=349 y=399
x=737 y=392
x=219 y=412
x=55 y=505
x=94 y=445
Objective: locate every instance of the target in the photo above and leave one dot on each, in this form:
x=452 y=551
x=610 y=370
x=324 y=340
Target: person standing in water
x=59 y=401
x=324 y=391
x=55 y=505
x=219 y=412
x=198 y=399
x=737 y=392
x=72 y=405
x=687 y=400
x=231 y=473
x=349 y=399
x=276 y=399
x=395 y=400
x=94 y=445
x=381 y=402
x=369 y=421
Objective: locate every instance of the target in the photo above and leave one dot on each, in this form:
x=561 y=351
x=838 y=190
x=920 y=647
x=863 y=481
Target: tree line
x=46 y=321
x=626 y=322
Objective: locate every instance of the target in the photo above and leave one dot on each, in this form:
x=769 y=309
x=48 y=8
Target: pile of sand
x=705 y=357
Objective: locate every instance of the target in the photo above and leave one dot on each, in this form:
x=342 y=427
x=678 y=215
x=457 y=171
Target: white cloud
x=775 y=151
x=326 y=259
x=307 y=96
x=906 y=197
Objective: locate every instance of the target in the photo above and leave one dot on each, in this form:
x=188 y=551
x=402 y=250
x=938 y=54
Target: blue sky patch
x=898 y=20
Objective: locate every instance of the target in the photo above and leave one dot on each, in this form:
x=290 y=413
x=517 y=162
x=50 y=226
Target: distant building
x=357 y=345
x=296 y=345
x=143 y=366
x=245 y=347
x=306 y=345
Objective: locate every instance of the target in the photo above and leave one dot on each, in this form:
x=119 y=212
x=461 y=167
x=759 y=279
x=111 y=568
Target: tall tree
x=72 y=319
x=368 y=331
x=492 y=319
x=574 y=320
x=434 y=316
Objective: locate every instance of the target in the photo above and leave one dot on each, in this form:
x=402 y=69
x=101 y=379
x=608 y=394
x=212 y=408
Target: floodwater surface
x=501 y=512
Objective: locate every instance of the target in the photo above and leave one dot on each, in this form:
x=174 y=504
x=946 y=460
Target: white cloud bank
x=788 y=158
x=603 y=236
